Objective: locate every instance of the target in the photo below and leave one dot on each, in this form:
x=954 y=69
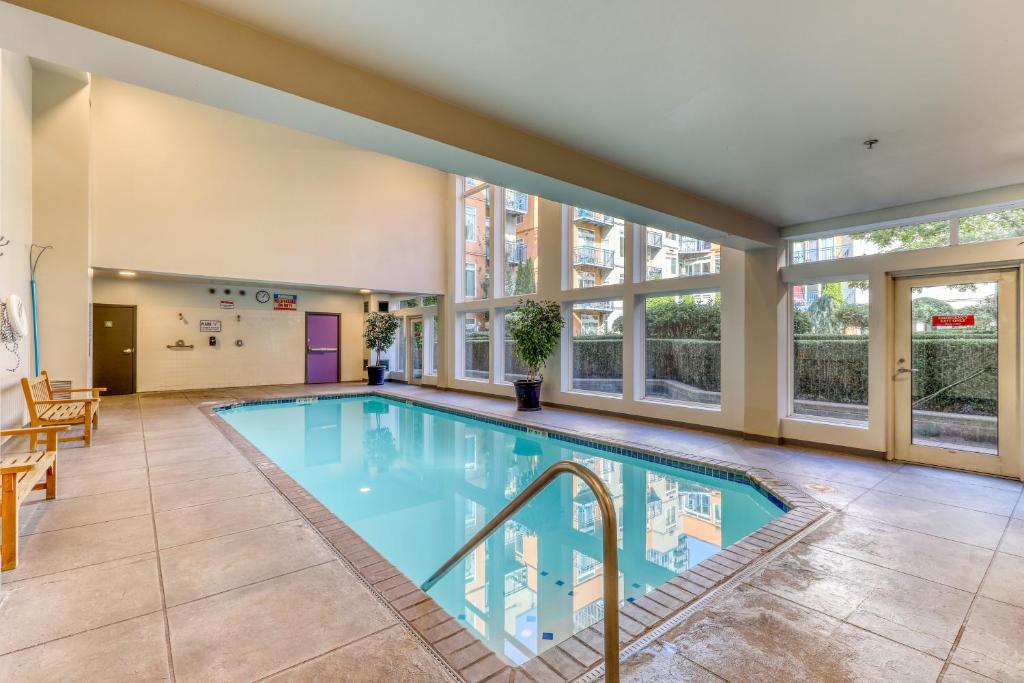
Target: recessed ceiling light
x=364 y=291
x=365 y=489
x=126 y=273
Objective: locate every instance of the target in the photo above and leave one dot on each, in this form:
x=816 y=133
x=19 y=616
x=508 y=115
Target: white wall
x=184 y=188
x=60 y=218
x=274 y=341
x=15 y=218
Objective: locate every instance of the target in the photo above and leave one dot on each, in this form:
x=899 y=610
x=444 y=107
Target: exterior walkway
x=169 y=556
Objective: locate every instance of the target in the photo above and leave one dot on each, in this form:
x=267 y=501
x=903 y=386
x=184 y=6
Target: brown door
x=113 y=348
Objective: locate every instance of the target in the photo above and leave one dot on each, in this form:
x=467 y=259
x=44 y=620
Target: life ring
x=16 y=315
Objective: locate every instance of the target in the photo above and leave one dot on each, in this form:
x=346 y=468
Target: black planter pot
x=527 y=394
x=375 y=374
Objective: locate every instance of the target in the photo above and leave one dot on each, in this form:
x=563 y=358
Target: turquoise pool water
x=417 y=483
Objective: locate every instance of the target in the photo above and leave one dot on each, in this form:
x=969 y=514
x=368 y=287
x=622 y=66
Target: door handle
x=313 y=348
x=903 y=370
x=127 y=352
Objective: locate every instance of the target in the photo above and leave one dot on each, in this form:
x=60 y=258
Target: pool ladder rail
x=609 y=539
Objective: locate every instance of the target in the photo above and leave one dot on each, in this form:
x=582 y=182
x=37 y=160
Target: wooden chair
x=19 y=476
x=44 y=410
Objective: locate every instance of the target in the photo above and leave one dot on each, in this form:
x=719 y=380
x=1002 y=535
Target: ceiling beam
x=204 y=38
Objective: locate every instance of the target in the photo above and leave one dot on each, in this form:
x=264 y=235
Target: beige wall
x=15 y=218
x=274 y=341
x=183 y=188
x=60 y=217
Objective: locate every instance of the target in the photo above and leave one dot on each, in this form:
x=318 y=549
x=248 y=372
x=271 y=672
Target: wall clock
x=263 y=296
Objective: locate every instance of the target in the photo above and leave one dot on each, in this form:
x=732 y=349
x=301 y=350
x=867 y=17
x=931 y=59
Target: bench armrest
x=83 y=390
x=15 y=469
x=24 y=431
x=59 y=401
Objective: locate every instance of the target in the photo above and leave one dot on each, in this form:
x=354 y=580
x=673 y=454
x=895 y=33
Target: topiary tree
x=535 y=328
x=381 y=330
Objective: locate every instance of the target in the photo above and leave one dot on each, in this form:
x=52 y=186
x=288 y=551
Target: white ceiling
x=761 y=105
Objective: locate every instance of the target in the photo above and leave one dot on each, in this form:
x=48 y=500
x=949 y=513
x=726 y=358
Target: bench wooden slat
x=19 y=476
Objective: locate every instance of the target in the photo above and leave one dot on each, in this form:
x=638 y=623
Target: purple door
x=321 y=348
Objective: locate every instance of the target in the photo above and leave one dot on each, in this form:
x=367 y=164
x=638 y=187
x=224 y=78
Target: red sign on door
x=953 y=320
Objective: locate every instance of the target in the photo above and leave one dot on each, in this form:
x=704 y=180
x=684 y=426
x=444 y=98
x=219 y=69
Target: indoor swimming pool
x=416 y=483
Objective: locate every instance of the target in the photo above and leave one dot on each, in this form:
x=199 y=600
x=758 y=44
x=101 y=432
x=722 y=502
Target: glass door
x=416 y=340
x=956 y=371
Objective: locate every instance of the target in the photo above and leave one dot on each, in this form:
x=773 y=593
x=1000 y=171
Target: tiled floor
x=167 y=555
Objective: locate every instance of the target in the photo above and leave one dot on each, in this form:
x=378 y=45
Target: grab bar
x=610 y=540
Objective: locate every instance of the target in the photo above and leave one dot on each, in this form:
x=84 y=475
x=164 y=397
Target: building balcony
x=587 y=216
x=593 y=256
x=515 y=253
x=593 y=306
x=823 y=253
x=516 y=202
x=655 y=240
x=688 y=246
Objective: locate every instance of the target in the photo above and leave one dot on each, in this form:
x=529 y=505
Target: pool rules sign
x=947 y=321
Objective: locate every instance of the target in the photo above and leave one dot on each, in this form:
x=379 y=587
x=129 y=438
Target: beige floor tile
x=912 y=611
x=100 y=450
x=750 y=635
x=107 y=482
x=749 y=453
x=174 y=457
x=390 y=655
x=662 y=662
x=958 y=674
x=133 y=650
x=863 y=472
x=58 y=605
x=199 y=522
x=210 y=442
x=198 y=469
x=951 y=492
x=72 y=466
x=203 y=568
x=991 y=642
x=188 y=493
x=836 y=494
x=64 y=513
x=57 y=551
x=954 y=523
x=1013 y=540
x=1005 y=580
x=962 y=477
x=928 y=557
x=255 y=631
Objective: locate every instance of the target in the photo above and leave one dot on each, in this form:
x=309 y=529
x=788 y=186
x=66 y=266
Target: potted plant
x=535 y=328
x=379 y=335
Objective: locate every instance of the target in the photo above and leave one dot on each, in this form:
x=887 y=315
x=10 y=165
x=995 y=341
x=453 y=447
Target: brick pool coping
x=452 y=643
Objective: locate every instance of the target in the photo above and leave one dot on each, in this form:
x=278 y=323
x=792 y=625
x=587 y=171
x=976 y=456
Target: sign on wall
x=965 y=320
x=227 y=303
x=209 y=326
x=286 y=302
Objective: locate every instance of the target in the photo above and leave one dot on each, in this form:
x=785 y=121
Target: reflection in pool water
x=417 y=483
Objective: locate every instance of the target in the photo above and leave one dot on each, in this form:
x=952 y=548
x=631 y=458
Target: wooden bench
x=44 y=410
x=19 y=476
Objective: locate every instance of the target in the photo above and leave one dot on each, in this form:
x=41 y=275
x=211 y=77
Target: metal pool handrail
x=610 y=544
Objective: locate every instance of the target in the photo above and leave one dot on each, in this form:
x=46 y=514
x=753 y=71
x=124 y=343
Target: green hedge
x=695 y=362
x=834 y=368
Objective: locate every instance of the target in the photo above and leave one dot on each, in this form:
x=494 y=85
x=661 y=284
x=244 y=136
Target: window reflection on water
x=417 y=484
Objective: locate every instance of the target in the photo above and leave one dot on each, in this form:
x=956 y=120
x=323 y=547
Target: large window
x=476 y=334
x=512 y=367
x=597 y=346
x=521 y=223
x=478 y=199
x=597 y=246
x=670 y=255
x=830 y=350
x=683 y=359
x=886 y=240
x=964 y=229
